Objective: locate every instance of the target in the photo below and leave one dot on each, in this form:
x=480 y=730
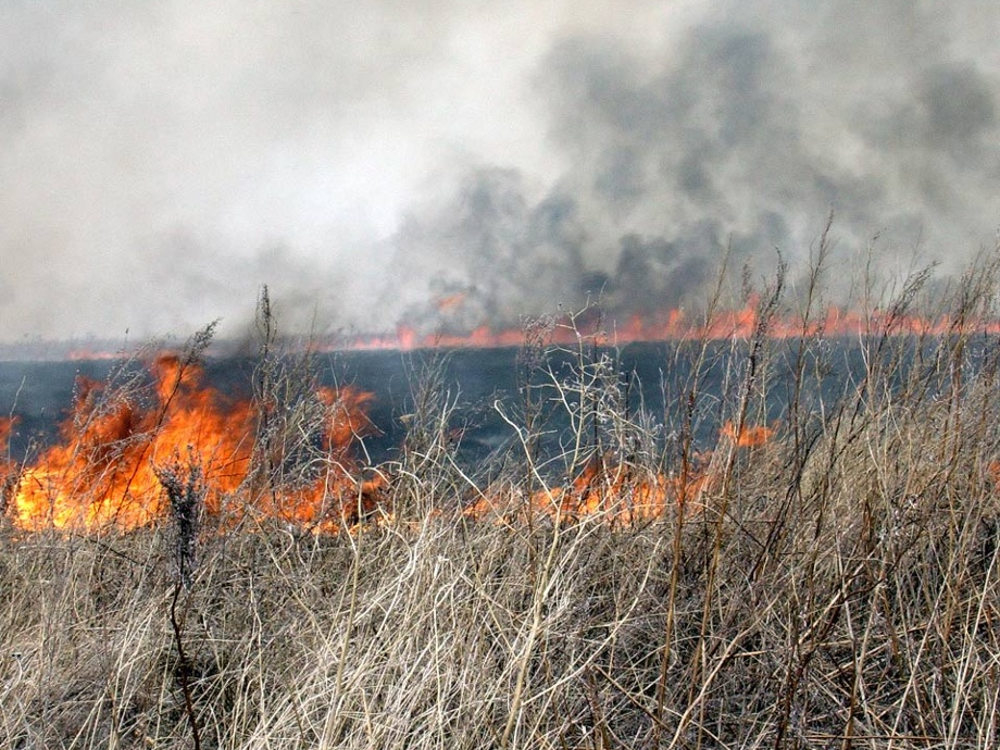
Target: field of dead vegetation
x=182 y=570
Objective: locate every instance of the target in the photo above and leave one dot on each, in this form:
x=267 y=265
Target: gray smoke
x=370 y=162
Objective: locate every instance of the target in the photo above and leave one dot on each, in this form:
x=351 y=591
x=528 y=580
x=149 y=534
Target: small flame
x=677 y=325
x=8 y=472
x=616 y=492
x=620 y=493
x=748 y=436
x=6 y=427
x=450 y=302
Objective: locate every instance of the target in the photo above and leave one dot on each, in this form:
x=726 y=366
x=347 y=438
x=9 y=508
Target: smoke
x=447 y=164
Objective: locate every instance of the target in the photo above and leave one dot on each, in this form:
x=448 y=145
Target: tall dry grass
x=836 y=587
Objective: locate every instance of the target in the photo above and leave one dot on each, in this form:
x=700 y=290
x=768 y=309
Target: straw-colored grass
x=836 y=587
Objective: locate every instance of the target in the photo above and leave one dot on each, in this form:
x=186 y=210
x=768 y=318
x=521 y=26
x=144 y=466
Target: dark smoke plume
x=450 y=165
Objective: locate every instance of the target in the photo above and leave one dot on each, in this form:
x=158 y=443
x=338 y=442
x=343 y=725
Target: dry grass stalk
x=836 y=586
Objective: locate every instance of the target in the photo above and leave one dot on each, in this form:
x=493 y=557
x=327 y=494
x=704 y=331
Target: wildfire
x=669 y=325
x=674 y=325
x=106 y=469
x=8 y=474
x=747 y=437
x=6 y=425
x=621 y=493
x=102 y=472
x=450 y=302
x=618 y=492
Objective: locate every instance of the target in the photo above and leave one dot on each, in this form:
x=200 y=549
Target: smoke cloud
x=450 y=164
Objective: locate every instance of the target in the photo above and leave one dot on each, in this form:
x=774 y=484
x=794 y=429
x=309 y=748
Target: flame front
x=103 y=470
x=677 y=325
x=618 y=492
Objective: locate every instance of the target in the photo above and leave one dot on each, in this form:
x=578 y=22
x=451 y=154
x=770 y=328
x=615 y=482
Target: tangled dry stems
x=835 y=587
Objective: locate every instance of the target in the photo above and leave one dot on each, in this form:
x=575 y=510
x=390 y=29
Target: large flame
x=105 y=470
x=102 y=472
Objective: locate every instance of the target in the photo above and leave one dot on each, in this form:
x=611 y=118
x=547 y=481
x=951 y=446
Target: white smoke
x=161 y=161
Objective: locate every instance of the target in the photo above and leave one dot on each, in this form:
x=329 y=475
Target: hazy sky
x=160 y=161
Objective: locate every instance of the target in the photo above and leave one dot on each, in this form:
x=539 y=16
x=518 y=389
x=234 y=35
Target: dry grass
x=835 y=587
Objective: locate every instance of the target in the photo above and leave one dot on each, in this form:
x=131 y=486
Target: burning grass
x=105 y=470
x=824 y=579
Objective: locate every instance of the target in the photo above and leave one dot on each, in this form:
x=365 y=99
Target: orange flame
x=450 y=302
x=6 y=425
x=678 y=325
x=670 y=325
x=614 y=491
x=8 y=473
x=749 y=436
x=618 y=492
x=102 y=472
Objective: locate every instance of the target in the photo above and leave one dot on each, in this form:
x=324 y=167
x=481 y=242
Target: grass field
x=833 y=584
